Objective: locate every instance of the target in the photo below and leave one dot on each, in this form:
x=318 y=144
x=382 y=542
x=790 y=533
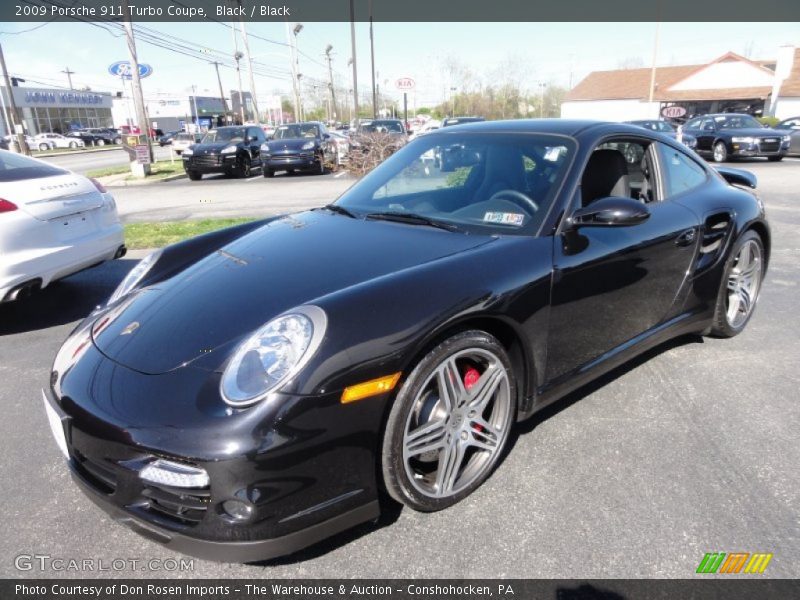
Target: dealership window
x=63 y=120
x=680 y=172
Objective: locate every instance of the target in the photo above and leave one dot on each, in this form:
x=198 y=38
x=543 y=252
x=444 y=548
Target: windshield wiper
x=412 y=219
x=341 y=210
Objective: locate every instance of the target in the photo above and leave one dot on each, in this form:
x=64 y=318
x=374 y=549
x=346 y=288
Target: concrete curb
x=123 y=183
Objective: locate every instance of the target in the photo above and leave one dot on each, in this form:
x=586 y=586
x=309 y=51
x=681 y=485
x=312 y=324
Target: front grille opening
x=95 y=473
x=179 y=505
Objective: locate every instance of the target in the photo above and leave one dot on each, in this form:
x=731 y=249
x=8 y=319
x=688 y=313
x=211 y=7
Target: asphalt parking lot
x=692 y=449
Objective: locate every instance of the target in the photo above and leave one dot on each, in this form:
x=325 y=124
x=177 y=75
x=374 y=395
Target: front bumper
x=209 y=163
x=280 y=162
x=305 y=473
x=759 y=148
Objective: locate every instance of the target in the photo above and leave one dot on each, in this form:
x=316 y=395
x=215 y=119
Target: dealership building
x=731 y=83
x=57 y=110
x=172 y=112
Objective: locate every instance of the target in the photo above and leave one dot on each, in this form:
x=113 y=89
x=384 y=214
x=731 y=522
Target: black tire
x=194 y=175
x=719 y=152
x=244 y=168
x=73 y=145
x=268 y=172
x=396 y=479
x=721 y=327
x=290 y=171
x=43 y=147
x=775 y=158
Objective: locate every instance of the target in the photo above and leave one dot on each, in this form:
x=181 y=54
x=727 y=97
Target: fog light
x=174 y=474
x=238 y=510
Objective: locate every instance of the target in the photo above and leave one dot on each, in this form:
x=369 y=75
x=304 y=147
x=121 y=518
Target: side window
x=709 y=125
x=680 y=172
x=693 y=124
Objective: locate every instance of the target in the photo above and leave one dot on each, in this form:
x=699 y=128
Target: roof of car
x=570 y=127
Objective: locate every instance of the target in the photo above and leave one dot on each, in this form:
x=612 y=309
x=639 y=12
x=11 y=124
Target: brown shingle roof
x=623 y=84
x=791 y=85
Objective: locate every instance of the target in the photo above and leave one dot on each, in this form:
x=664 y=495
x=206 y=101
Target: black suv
x=232 y=150
x=731 y=135
x=298 y=146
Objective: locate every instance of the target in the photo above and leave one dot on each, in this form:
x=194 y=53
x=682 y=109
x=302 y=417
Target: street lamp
x=298 y=27
x=237 y=56
x=542 y=86
x=453 y=101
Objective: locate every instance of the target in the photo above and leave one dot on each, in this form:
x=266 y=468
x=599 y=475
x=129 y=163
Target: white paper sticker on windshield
x=504 y=218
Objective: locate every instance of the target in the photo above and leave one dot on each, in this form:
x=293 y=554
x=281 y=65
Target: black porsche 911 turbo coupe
x=248 y=392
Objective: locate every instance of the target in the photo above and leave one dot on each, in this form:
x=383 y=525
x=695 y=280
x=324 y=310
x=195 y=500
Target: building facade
x=57 y=110
x=731 y=83
x=172 y=113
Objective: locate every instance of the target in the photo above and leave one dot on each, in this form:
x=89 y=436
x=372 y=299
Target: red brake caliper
x=471 y=378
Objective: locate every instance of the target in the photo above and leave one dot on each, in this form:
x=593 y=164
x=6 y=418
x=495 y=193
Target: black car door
x=611 y=284
x=706 y=135
x=694 y=127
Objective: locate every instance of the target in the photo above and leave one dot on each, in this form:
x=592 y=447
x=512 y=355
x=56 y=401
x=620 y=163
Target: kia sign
x=122 y=69
x=673 y=112
x=405 y=84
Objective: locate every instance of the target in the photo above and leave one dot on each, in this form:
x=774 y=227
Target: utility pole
x=293 y=64
x=69 y=75
x=136 y=88
x=249 y=67
x=372 y=57
x=542 y=86
x=653 y=66
x=221 y=90
x=196 y=114
x=237 y=56
x=21 y=144
x=330 y=75
x=355 y=70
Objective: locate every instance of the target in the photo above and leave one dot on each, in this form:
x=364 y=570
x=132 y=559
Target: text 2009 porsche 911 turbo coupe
x=248 y=392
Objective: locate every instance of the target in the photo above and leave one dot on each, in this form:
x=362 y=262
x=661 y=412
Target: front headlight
x=228 y=149
x=134 y=276
x=273 y=355
x=787 y=138
x=188 y=152
x=307 y=146
x=742 y=140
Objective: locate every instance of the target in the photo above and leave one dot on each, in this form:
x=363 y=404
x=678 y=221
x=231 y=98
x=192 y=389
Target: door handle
x=687 y=237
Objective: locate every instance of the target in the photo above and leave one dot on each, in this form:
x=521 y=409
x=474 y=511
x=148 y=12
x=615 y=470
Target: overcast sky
x=550 y=52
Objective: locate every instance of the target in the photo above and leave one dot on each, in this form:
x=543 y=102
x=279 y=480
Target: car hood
x=287 y=263
x=753 y=132
x=292 y=145
x=208 y=147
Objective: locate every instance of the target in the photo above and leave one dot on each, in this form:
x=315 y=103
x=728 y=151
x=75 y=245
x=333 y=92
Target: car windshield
x=296 y=131
x=737 y=122
x=226 y=134
x=477 y=182
x=15 y=167
x=382 y=127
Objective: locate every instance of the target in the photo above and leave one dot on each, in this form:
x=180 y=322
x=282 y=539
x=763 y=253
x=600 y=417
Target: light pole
x=237 y=56
x=330 y=75
x=353 y=60
x=298 y=27
x=453 y=101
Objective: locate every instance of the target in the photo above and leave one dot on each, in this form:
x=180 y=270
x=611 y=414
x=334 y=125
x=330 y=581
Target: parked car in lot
x=182 y=141
x=341 y=147
x=248 y=392
x=791 y=127
x=298 y=147
x=88 y=139
x=56 y=140
x=667 y=129
x=167 y=138
x=231 y=150
x=732 y=135
x=32 y=143
x=103 y=135
x=388 y=126
x=52 y=223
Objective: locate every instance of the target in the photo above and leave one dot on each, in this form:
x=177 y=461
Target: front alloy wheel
x=245 y=167
x=450 y=422
x=720 y=152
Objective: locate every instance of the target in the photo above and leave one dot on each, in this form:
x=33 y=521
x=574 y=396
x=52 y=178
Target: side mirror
x=738 y=177
x=612 y=211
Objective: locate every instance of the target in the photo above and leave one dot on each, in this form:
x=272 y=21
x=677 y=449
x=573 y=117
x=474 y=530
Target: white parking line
x=254 y=178
x=339 y=174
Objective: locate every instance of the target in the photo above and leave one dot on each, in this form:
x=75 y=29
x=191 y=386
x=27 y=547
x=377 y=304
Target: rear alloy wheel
x=450 y=422
x=244 y=168
x=101 y=142
x=720 y=152
x=194 y=175
x=118 y=141
x=73 y=144
x=43 y=147
x=740 y=286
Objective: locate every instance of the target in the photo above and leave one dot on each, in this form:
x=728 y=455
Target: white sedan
x=56 y=140
x=53 y=223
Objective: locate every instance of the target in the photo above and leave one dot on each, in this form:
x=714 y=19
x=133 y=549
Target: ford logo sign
x=122 y=69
